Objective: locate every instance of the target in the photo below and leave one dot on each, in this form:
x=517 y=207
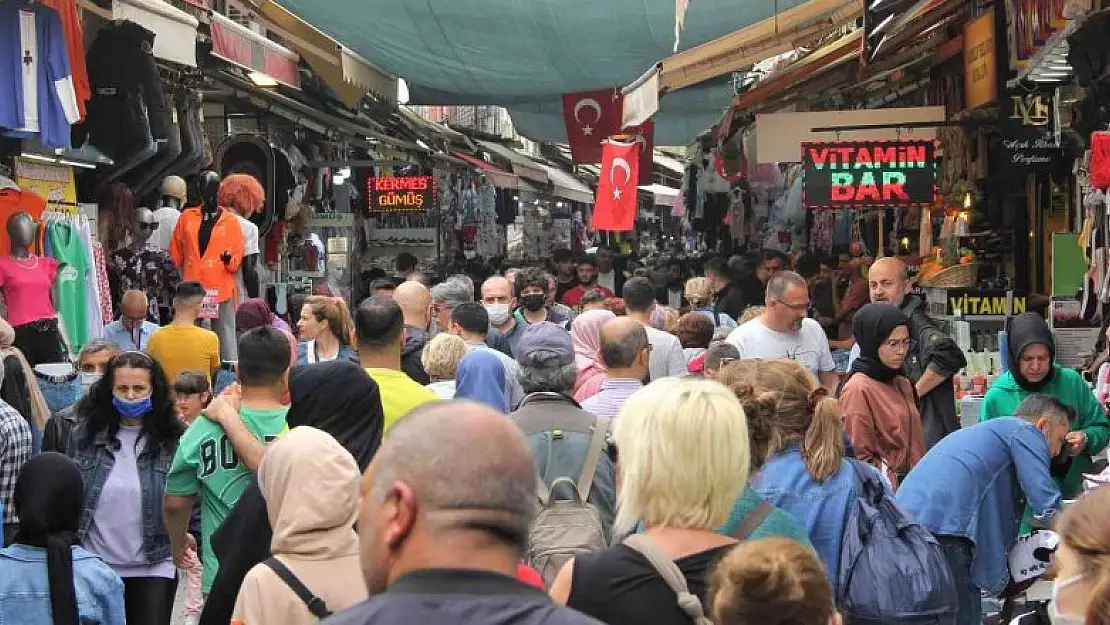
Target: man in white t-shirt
x=784 y=330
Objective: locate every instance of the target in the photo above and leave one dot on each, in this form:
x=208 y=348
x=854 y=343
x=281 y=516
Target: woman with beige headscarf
x=25 y=396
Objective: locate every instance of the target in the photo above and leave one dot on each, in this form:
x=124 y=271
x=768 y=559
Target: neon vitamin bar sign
x=869 y=174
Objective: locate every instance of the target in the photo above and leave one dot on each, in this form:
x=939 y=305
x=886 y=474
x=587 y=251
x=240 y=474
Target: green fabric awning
x=526 y=54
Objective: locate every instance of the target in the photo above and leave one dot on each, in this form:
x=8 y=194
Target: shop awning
x=782 y=32
x=499 y=178
x=175 y=31
x=661 y=194
x=827 y=58
x=350 y=75
x=522 y=165
x=253 y=52
x=568 y=187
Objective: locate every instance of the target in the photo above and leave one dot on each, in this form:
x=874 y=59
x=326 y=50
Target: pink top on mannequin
x=26 y=284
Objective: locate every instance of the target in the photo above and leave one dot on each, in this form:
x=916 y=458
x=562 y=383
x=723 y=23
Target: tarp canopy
x=525 y=54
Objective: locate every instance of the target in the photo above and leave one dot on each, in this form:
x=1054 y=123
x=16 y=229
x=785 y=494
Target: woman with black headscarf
x=878 y=402
x=336 y=397
x=1033 y=369
x=46 y=578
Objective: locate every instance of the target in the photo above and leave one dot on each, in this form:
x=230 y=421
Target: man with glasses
x=934 y=357
x=784 y=330
x=91 y=363
x=131 y=331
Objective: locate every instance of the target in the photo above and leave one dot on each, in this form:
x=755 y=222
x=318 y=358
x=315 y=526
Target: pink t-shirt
x=26 y=287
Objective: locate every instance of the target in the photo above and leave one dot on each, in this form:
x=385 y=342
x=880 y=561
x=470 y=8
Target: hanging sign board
x=869 y=174
x=401 y=194
x=1028 y=128
x=51 y=181
x=980 y=62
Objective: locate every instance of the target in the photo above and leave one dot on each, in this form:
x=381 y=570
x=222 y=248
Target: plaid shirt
x=15 y=450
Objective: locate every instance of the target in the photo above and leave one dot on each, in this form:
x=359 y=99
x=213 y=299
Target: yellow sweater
x=179 y=349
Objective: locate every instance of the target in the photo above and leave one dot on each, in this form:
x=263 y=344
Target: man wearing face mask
x=532 y=292
x=497 y=297
x=91 y=363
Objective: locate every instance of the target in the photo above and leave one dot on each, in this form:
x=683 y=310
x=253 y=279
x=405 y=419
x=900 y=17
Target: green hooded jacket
x=1069 y=388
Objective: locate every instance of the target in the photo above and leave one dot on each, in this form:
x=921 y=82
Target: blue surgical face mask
x=132 y=409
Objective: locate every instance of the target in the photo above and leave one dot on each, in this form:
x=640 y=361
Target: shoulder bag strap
x=671 y=574
x=315 y=604
x=752 y=521
x=593 y=455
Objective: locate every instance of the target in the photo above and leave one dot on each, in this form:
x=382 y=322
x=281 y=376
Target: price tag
x=210 y=308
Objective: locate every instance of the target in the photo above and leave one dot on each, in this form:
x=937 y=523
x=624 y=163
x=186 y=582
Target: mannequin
x=27 y=282
x=174 y=192
x=207 y=247
x=244 y=196
x=138 y=267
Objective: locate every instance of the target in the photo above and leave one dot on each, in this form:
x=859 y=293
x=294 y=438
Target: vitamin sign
x=869 y=174
x=401 y=194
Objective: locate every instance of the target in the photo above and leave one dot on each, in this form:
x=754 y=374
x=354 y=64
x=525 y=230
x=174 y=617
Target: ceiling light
x=262 y=80
x=39 y=157
x=62 y=161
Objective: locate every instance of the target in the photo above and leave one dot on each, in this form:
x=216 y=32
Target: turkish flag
x=591 y=117
x=615 y=205
x=645 y=141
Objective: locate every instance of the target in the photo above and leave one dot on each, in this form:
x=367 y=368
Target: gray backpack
x=565 y=528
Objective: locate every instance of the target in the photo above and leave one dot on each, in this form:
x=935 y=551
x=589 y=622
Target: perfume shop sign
x=401 y=194
x=869 y=174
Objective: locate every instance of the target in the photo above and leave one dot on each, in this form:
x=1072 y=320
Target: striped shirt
x=614 y=392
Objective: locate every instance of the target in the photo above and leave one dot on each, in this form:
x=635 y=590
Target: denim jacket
x=25 y=588
x=95 y=461
x=821 y=507
x=974 y=484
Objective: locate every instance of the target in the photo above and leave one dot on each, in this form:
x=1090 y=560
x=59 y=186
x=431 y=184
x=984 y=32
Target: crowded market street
x=680 y=312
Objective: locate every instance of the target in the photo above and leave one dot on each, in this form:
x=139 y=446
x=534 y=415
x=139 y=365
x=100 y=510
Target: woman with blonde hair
x=1081 y=591
x=683 y=460
x=699 y=292
x=798 y=432
x=326 y=327
x=441 y=359
x=775 y=581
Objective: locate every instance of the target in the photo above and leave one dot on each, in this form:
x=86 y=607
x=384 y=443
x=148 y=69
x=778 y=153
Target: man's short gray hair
x=453 y=291
x=95 y=347
x=540 y=372
x=1041 y=405
x=780 y=282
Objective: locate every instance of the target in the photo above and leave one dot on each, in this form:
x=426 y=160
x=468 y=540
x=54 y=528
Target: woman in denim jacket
x=45 y=577
x=805 y=473
x=123 y=448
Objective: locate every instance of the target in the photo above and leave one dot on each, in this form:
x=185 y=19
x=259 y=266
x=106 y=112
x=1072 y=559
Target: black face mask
x=533 y=302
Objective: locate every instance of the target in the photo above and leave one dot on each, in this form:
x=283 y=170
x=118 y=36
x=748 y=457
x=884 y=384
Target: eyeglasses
x=798 y=308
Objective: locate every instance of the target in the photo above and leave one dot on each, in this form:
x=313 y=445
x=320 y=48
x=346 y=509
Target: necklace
x=22 y=263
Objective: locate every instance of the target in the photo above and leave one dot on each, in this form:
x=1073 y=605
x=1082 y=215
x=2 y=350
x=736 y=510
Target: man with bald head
x=497 y=297
x=132 y=330
x=416 y=305
x=626 y=353
x=453 y=526
x=934 y=358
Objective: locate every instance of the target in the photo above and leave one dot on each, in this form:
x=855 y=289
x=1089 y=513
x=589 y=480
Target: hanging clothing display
x=75 y=47
x=103 y=287
x=150 y=271
x=65 y=246
x=36 y=88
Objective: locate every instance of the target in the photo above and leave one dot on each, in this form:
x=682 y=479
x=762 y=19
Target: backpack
x=564 y=528
x=669 y=571
x=315 y=604
x=892 y=570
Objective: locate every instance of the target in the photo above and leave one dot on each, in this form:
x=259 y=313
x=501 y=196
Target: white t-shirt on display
x=809 y=345
x=166 y=217
x=250 y=246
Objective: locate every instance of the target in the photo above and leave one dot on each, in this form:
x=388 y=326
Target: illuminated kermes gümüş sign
x=401 y=194
x=869 y=174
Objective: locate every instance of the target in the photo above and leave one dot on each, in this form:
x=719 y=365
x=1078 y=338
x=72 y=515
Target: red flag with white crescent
x=616 y=202
x=645 y=143
x=591 y=117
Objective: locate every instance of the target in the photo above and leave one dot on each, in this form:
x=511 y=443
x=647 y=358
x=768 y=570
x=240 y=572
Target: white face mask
x=88 y=378
x=1054 y=614
x=498 y=313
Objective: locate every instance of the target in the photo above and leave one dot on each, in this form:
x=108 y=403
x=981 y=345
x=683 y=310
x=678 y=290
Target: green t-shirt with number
x=206 y=465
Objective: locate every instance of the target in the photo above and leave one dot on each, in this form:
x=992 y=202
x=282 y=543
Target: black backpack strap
x=315 y=604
